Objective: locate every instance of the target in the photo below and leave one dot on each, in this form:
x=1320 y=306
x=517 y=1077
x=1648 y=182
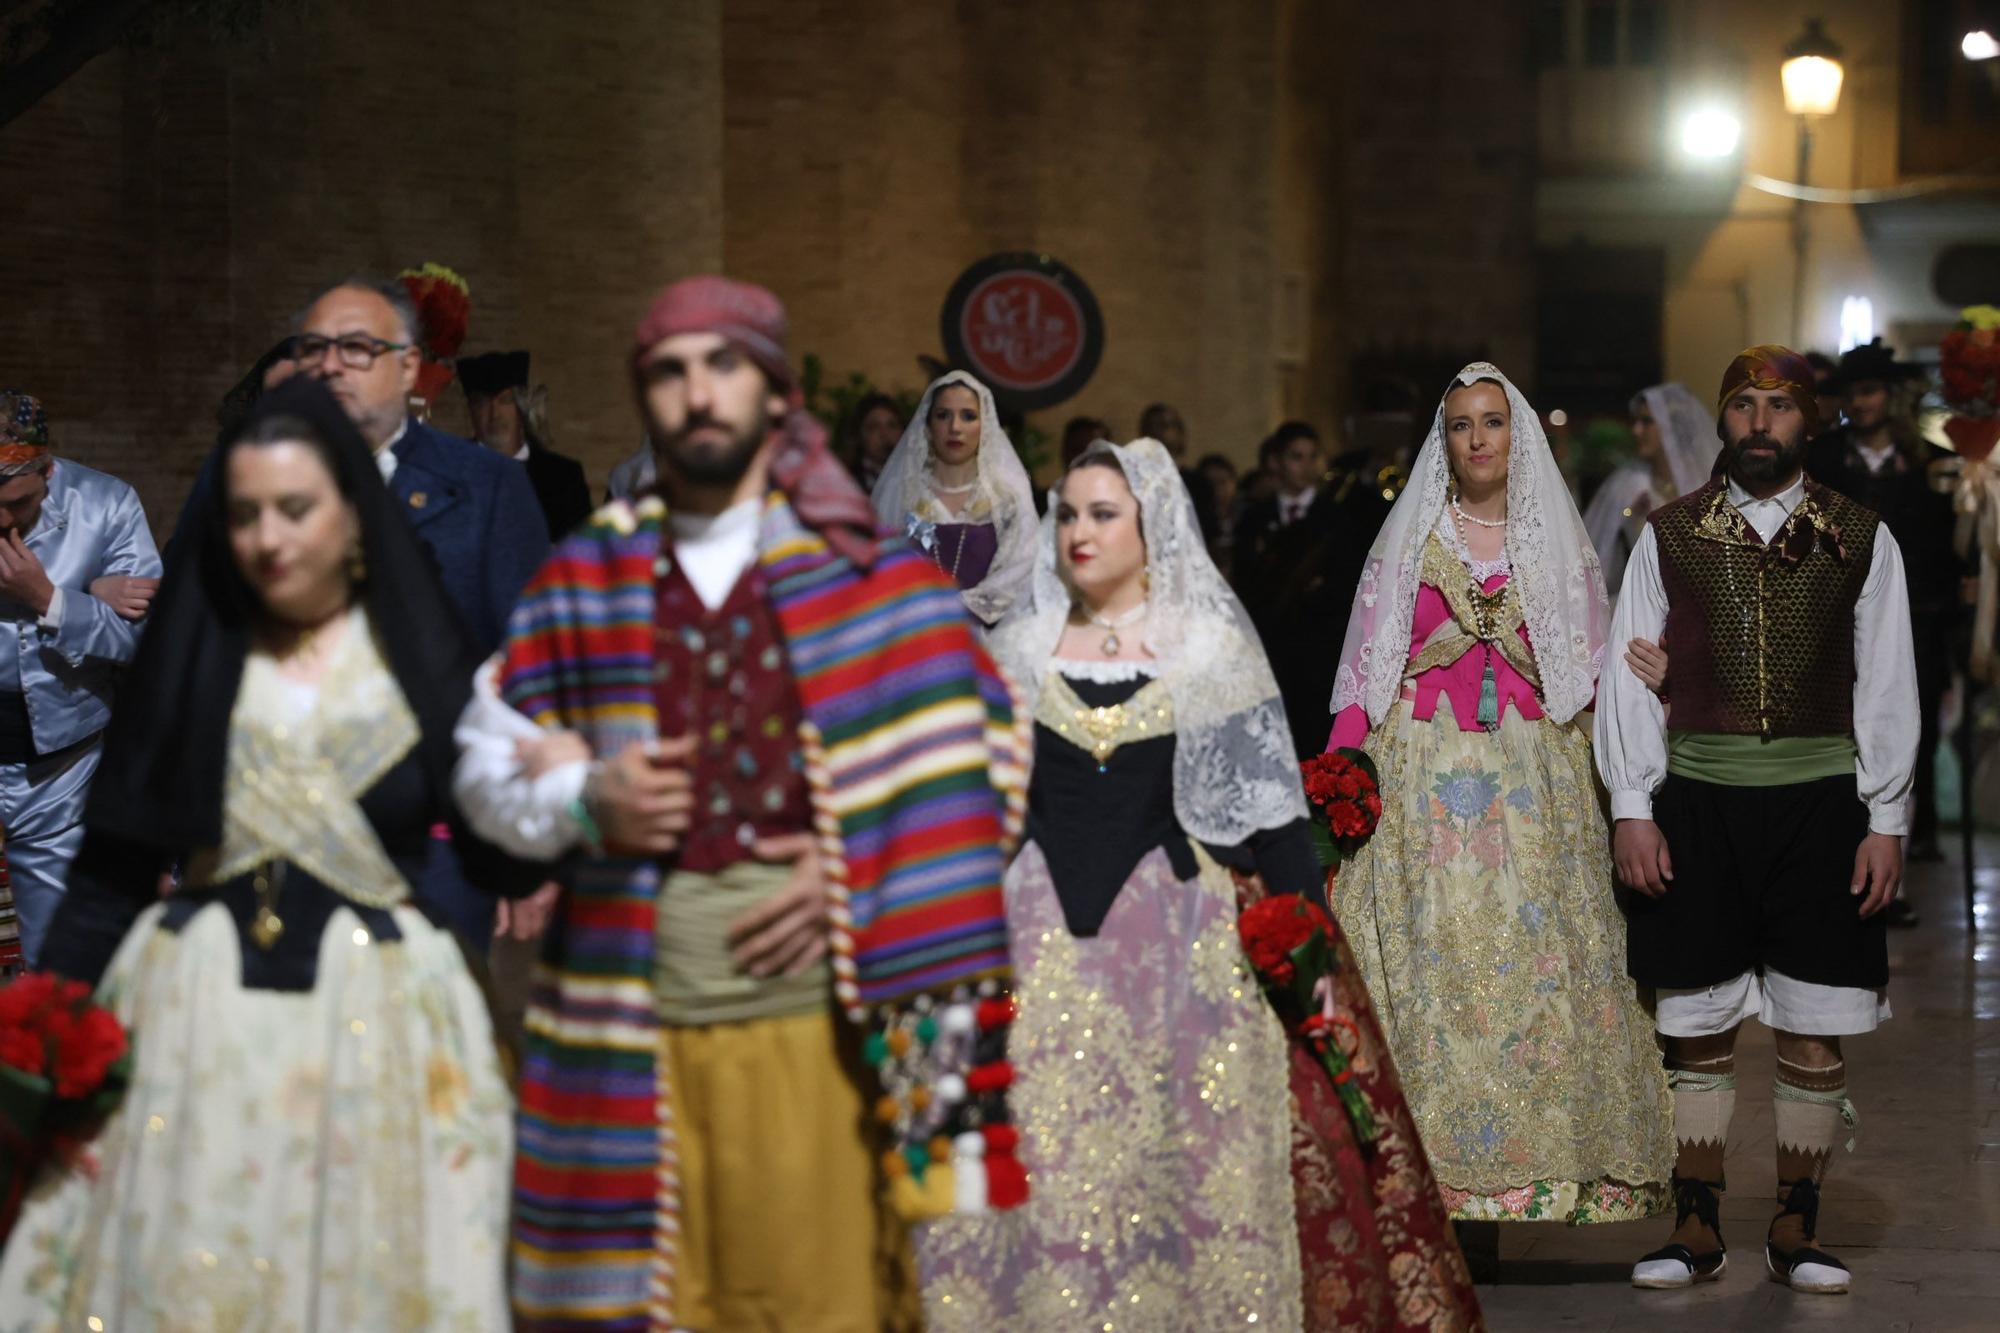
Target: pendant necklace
x=958 y=553
x=1111 y=626
x=1487 y=620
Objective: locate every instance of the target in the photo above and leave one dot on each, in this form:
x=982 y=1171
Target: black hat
x=493 y=372
x=1872 y=361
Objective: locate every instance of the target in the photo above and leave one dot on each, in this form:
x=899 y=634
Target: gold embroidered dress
x=1190 y=1165
x=1482 y=912
x=1483 y=919
x=1149 y=1090
x=329 y=1157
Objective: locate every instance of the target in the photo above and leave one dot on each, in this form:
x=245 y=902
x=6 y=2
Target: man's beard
x=708 y=462
x=1762 y=468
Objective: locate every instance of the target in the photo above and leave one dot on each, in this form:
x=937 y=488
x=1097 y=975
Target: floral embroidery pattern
x=1149 y=1092
x=1483 y=920
x=337 y=1158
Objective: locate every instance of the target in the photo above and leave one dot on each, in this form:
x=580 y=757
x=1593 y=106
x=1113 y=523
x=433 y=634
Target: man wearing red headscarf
x=797 y=772
x=1762 y=835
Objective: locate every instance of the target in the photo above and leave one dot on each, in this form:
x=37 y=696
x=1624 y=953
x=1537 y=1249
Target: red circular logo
x=1021 y=330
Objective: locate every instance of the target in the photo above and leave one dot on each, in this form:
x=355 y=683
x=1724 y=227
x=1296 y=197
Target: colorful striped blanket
x=917 y=765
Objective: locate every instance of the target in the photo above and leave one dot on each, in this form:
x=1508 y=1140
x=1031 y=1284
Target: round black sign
x=1027 y=326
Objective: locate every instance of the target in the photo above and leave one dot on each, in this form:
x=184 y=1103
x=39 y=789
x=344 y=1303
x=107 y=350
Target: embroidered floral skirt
x=331 y=1159
x=1483 y=920
x=1179 y=1181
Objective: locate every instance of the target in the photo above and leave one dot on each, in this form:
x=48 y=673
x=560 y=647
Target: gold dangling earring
x=357 y=564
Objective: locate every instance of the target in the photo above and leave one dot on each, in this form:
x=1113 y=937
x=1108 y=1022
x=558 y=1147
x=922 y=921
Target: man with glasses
x=478 y=515
x=474 y=509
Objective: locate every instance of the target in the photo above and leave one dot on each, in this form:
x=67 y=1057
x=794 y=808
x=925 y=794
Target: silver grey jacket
x=91 y=525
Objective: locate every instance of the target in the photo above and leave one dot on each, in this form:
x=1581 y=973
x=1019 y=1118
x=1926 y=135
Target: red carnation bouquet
x=1289 y=941
x=1346 y=801
x=64 y=1063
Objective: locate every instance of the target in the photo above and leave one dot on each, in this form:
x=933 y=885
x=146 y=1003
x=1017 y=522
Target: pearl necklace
x=1111 y=644
x=1464 y=517
x=966 y=489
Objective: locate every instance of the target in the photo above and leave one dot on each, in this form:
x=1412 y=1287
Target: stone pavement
x=1915 y=1211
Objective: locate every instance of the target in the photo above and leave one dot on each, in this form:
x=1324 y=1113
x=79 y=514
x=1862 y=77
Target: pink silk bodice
x=1459 y=681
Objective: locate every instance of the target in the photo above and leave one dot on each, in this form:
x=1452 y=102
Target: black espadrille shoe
x=1676 y=1265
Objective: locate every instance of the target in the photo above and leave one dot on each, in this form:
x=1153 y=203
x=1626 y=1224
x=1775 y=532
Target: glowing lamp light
x=1857 y=322
x=1558 y=418
x=1812 y=73
x=1711 y=134
x=1979 y=46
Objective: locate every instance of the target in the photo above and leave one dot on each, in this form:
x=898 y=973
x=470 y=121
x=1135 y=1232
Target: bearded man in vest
x=770 y=990
x=1761 y=801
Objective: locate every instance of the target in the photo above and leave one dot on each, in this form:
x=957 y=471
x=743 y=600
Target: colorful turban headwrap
x=819 y=489
x=24 y=433
x=1770 y=366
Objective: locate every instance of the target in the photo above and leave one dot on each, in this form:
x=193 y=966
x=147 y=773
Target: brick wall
x=1437 y=151
x=569 y=159
x=873 y=152
x=183 y=206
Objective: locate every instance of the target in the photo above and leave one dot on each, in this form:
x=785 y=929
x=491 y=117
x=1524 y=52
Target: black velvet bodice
x=112 y=881
x=1095 y=824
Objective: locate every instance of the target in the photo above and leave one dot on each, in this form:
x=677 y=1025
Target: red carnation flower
x=26 y=996
x=23 y=1050
x=1349 y=820
x=84 y=1055
x=1272 y=929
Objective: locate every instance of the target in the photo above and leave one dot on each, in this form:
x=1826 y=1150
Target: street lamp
x=1812 y=75
x=1812 y=72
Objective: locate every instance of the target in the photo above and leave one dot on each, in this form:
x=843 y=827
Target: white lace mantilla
x=1454 y=539
x=905 y=499
x=1234 y=769
x=1549 y=554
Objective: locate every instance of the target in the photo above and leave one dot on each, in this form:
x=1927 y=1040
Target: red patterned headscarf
x=1770 y=366
x=819 y=489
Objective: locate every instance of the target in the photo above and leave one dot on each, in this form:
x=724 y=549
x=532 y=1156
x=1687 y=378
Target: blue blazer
x=478 y=514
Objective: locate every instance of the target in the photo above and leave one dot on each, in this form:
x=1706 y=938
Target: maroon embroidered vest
x=1760 y=637
x=721 y=676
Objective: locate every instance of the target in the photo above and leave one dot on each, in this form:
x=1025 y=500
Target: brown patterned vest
x=1760 y=638
x=722 y=677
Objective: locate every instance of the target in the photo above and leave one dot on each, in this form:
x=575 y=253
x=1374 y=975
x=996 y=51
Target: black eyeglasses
x=357 y=350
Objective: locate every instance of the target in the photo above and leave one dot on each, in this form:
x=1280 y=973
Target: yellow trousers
x=783 y=1228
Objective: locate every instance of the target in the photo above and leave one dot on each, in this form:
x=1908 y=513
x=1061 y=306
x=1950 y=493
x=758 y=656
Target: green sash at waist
x=693 y=978
x=1752 y=761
